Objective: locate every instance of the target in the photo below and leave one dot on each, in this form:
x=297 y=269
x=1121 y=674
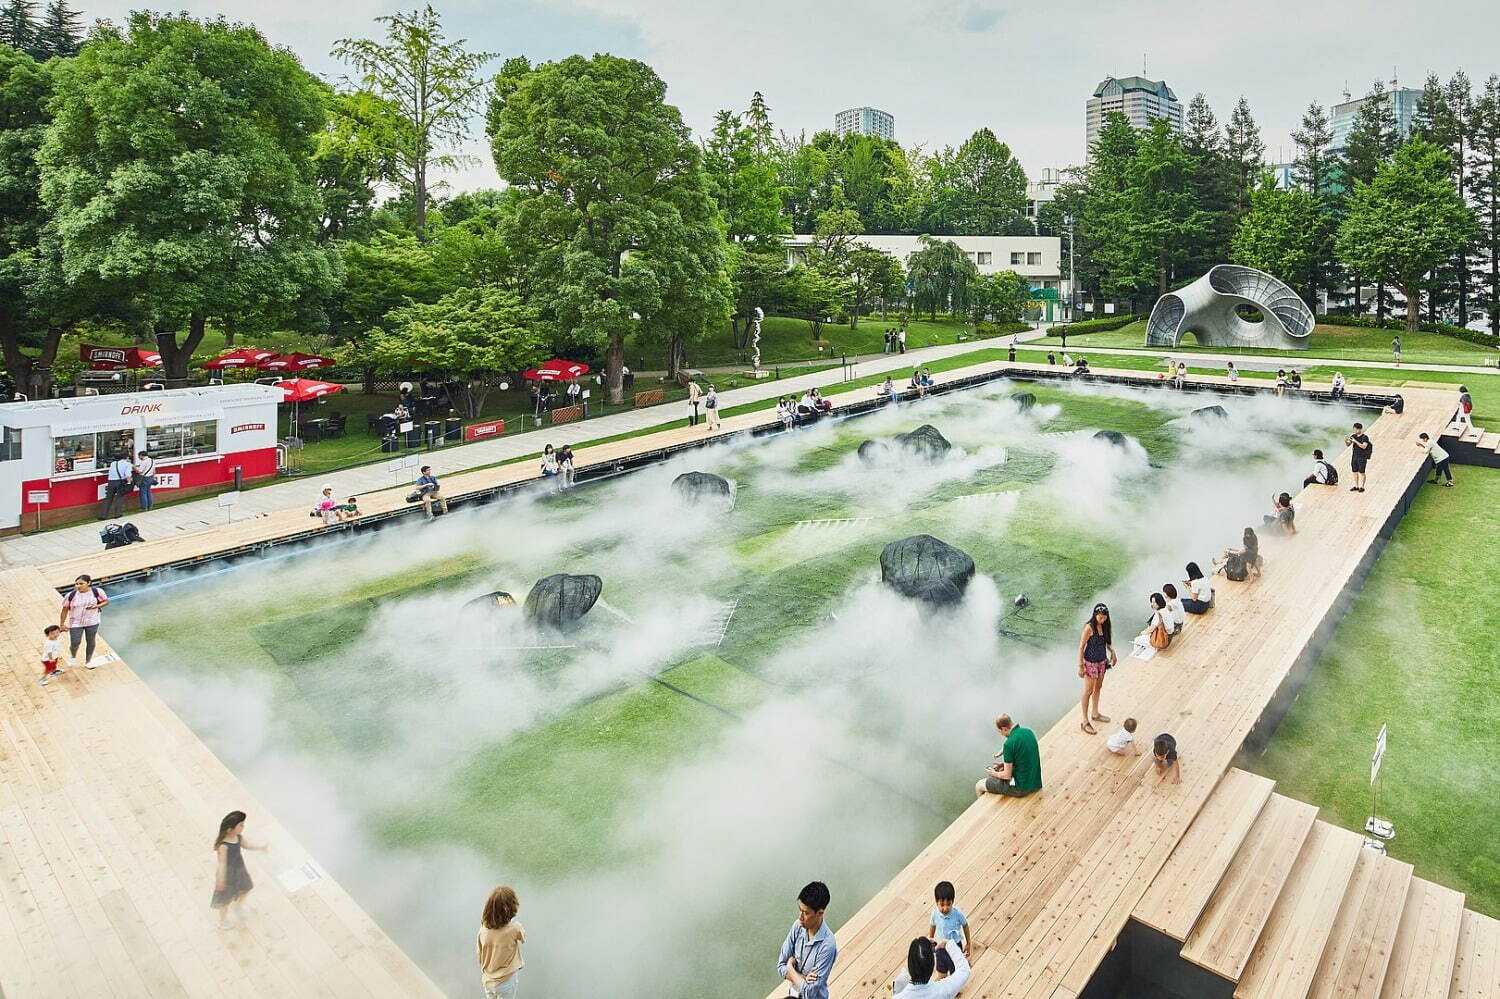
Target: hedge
x=987 y=328
x=1399 y=326
x=1094 y=325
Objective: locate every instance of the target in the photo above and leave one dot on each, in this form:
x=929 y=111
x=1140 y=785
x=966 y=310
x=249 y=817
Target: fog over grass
x=425 y=750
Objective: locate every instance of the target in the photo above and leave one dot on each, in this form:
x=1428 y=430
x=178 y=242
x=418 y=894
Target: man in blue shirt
x=117 y=487
x=431 y=492
x=808 y=954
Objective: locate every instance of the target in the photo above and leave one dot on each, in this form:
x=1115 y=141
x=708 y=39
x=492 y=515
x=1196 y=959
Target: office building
x=1403 y=100
x=1042 y=190
x=1140 y=100
x=865 y=121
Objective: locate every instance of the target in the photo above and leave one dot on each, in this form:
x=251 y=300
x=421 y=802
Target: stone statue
x=755 y=318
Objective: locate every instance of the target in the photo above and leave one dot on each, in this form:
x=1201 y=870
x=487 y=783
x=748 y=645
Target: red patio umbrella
x=243 y=357
x=556 y=370
x=117 y=358
x=299 y=390
x=295 y=361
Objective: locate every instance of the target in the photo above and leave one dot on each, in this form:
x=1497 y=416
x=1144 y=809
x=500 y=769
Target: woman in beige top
x=498 y=944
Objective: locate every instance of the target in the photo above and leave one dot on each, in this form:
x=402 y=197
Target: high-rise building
x=1403 y=100
x=1140 y=100
x=865 y=121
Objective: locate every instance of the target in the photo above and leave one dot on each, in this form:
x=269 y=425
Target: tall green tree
x=1371 y=141
x=28 y=339
x=18 y=26
x=1213 y=184
x=942 y=277
x=1484 y=191
x=612 y=189
x=207 y=209
x=59 y=33
x=872 y=274
x=1318 y=170
x=999 y=297
x=1279 y=233
x=1245 y=153
x=741 y=174
x=991 y=185
x=1406 y=221
x=431 y=88
x=1444 y=117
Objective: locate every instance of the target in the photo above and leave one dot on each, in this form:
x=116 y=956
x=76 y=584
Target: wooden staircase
x=1263 y=894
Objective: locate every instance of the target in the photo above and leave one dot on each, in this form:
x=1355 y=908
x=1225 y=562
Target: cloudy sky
x=944 y=67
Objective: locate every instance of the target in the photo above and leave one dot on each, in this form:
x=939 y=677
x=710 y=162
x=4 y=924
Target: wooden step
x=1489 y=440
x=1179 y=893
x=1472 y=434
x=1364 y=932
x=1426 y=943
x=1226 y=932
x=1291 y=946
x=1476 y=967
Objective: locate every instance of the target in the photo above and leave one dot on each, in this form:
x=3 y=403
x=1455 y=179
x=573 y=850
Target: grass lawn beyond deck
x=1416 y=653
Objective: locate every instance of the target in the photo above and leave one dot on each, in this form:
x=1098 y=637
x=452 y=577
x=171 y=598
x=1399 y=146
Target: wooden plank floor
x=108 y=807
x=1476 y=966
x=1426 y=944
x=1364 y=931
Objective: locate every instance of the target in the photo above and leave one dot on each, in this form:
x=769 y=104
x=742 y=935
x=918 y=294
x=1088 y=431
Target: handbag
x=1158 y=636
x=415 y=497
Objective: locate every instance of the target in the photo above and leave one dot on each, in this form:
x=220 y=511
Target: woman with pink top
x=80 y=615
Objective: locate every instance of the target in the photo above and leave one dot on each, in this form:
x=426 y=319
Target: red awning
x=244 y=357
x=556 y=371
x=307 y=389
x=295 y=361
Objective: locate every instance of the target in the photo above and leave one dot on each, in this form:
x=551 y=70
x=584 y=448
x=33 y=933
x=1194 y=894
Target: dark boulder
x=696 y=487
x=925 y=441
x=1023 y=399
x=923 y=567
x=1110 y=437
x=495 y=600
x=1211 y=413
x=874 y=452
x=560 y=601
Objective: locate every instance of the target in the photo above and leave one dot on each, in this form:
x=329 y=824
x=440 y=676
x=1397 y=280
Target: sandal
x=1085 y=726
x=1101 y=718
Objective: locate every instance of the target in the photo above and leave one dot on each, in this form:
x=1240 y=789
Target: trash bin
x=433 y=432
x=390 y=443
x=454 y=432
x=414 y=436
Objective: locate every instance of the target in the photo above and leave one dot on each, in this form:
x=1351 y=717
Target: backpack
x=1331 y=473
x=68 y=600
x=132 y=533
x=1234 y=568
x=113 y=536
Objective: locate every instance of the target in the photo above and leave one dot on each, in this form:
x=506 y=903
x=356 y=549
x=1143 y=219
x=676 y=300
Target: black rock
x=695 y=487
x=1212 y=413
x=923 y=567
x=560 y=601
x=925 y=441
x=1023 y=399
x=1111 y=436
x=874 y=452
x=495 y=600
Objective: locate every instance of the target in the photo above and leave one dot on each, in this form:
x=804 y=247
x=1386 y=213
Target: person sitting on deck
x=1282 y=516
x=1397 y=406
x=1067 y=359
x=1336 y=391
x=887 y=389
x=1240 y=564
x=934 y=970
x=348 y=511
x=785 y=412
x=1164 y=758
x=1051 y=357
x=927 y=381
x=1200 y=591
x=1081 y=367
x=807 y=408
x=327 y=507
x=1020 y=772
x=822 y=404
x=1280 y=381
x=916 y=383
x=1323 y=473
x=1174 y=605
x=1294 y=380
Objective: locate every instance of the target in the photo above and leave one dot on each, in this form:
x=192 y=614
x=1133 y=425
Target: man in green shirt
x=1020 y=771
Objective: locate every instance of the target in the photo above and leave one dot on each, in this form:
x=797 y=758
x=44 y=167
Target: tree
x=1484 y=189
x=178 y=170
x=1406 y=221
x=815 y=296
x=469 y=334
x=1370 y=143
x=942 y=276
x=1279 y=233
x=611 y=187
x=1212 y=181
x=741 y=177
x=1317 y=169
x=18 y=26
x=29 y=341
x=872 y=274
x=1000 y=298
x=1245 y=153
x=59 y=33
x=991 y=186
x=431 y=88
x=1444 y=117
x=758 y=280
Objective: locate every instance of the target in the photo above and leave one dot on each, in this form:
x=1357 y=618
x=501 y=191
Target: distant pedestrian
x=498 y=944
x=1012 y=352
x=1181 y=379
x=901 y=338
x=1465 y=407
x=695 y=399
x=711 y=405
x=1233 y=372
x=231 y=879
x=809 y=951
x=1360 y=450
x=1164 y=758
x=1019 y=771
x=1096 y=656
x=1439 y=459
x=145 y=479
x=1396 y=350
x=1051 y=357
x=117 y=486
x=51 y=653
x=1339 y=385
x=80 y=615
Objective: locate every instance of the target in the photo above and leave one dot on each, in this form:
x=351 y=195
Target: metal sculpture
x=1206 y=308
x=755 y=319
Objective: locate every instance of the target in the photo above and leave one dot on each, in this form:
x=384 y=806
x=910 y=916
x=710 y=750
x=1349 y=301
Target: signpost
x=1378 y=828
x=227 y=502
x=38 y=498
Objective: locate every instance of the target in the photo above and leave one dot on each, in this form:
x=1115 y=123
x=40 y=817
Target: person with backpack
x=80 y=615
x=711 y=404
x=1240 y=564
x=117 y=487
x=1465 y=407
x=1323 y=473
x=1359 y=457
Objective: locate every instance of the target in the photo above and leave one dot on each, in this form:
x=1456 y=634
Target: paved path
x=83 y=539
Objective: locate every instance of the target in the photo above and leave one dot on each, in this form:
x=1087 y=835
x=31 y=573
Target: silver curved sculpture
x=1206 y=308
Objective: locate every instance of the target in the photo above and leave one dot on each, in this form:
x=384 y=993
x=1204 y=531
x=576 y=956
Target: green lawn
x=1326 y=341
x=784 y=340
x=1413 y=653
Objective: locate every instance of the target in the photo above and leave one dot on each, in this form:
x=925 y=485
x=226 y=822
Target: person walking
x=711 y=405
x=80 y=615
x=430 y=492
x=1232 y=372
x=1439 y=459
x=695 y=399
x=1360 y=450
x=117 y=486
x=901 y=338
x=145 y=479
x=810 y=950
x=1396 y=350
x=1465 y=407
x=231 y=878
x=1096 y=655
x=498 y=944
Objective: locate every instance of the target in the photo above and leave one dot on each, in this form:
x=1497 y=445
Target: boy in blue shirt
x=948 y=922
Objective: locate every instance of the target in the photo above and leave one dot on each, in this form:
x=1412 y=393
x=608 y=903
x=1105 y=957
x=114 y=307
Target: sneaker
x=59 y=671
x=91 y=665
x=1448 y=484
x=43 y=680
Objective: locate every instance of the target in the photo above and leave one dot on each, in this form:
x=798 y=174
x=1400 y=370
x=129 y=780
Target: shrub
x=1398 y=326
x=988 y=328
x=1094 y=325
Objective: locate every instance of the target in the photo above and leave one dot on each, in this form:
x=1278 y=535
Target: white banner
x=1379 y=755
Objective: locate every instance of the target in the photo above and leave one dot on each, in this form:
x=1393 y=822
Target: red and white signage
x=240 y=428
x=479 y=431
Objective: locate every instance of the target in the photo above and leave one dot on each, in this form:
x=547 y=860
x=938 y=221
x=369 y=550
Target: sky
x=944 y=68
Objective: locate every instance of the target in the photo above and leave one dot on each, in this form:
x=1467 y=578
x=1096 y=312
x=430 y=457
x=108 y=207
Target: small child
x=948 y=922
x=347 y=511
x=1164 y=756
x=51 y=653
x=1124 y=739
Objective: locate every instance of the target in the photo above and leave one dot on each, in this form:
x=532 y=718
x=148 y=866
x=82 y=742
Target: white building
x=1140 y=100
x=865 y=121
x=1042 y=190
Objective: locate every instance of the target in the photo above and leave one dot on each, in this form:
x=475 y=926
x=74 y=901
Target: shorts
x=49 y=665
x=1095 y=671
x=1357 y=463
x=994 y=785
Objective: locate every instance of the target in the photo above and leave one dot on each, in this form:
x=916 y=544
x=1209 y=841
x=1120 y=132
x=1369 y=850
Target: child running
x=51 y=653
x=948 y=921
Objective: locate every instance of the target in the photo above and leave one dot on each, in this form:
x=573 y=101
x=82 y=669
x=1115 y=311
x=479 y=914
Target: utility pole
x=1072 y=264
